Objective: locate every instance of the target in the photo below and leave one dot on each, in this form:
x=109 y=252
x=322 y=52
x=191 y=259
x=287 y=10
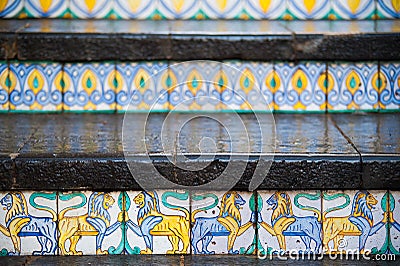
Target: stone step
x=85 y=151
x=80 y=40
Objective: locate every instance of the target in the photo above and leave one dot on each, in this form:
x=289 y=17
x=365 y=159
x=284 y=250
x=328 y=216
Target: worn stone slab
x=82 y=40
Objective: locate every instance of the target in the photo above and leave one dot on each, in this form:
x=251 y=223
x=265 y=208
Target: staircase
x=245 y=127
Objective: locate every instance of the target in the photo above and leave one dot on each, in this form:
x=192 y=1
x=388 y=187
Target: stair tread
x=86 y=135
x=83 y=40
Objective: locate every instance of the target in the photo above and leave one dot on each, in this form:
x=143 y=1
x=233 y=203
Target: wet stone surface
x=85 y=151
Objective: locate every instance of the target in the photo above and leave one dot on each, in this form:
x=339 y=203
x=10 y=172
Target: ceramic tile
x=90 y=9
x=45 y=9
x=11 y=8
x=89 y=86
x=127 y=9
x=302 y=87
x=389 y=89
x=298 y=213
x=33 y=224
x=393 y=223
x=352 y=86
x=184 y=9
x=388 y=9
x=215 y=215
x=138 y=89
x=35 y=86
x=195 y=86
x=357 y=216
x=300 y=9
x=344 y=9
x=265 y=9
x=4 y=86
x=159 y=222
x=87 y=222
x=223 y=9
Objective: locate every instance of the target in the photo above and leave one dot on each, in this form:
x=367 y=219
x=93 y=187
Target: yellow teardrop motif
x=142 y=81
x=221 y=4
x=3 y=5
x=90 y=5
x=194 y=81
x=133 y=4
x=273 y=81
x=45 y=4
x=35 y=81
x=264 y=4
x=89 y=82
x=299 y=81
x=217 y=81
x=178 y=4
x=396 y=5
x=247 y=81
x=324 y=83
x=309 y=4
x=352 y=82
x=353 y=5
x=115 y=81
x=379 y=86
x=172 y=80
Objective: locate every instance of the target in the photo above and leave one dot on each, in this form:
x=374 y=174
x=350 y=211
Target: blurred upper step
x=201 y=9
x=98 y=40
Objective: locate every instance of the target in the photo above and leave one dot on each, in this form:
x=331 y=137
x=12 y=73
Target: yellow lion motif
x=358 y=223
x=154 y=223
x=94 y=223
x=227 y=223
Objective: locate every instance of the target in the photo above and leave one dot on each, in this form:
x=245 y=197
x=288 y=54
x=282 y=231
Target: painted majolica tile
x=344 y=9
x=184 y=9
x=158 y=222
x=302 y=87
x=45 y=9
x=389 y=86
x=195 y=85
x=28 y=223
x=11 y=8
x=388 y=9
x=392 y=223
x=353 y=86
x=90 y=8
x=137 y=88
x=128 y=9
x=4 y=86
x=265 y=9
x=353 y=220
x=222 y=223
x=215 y=9
x=289 y=222
x=35 y=87
x=89 y=86
x=309 y=9
x=88 y=222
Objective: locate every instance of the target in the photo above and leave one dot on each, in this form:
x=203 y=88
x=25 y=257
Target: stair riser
x=204 y=9
x=285 y=86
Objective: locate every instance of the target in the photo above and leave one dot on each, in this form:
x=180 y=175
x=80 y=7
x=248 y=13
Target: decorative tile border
x=200 y=86
x=180 y=222
x=202 y=9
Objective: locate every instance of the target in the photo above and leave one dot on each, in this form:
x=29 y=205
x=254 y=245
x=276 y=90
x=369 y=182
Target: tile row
x=199 y=85
x=202 y=9
x=179 y=222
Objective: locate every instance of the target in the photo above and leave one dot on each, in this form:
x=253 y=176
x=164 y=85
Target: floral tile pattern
x=179 y=222
x=200 y=86
x=202 y=9
x=35 y=86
